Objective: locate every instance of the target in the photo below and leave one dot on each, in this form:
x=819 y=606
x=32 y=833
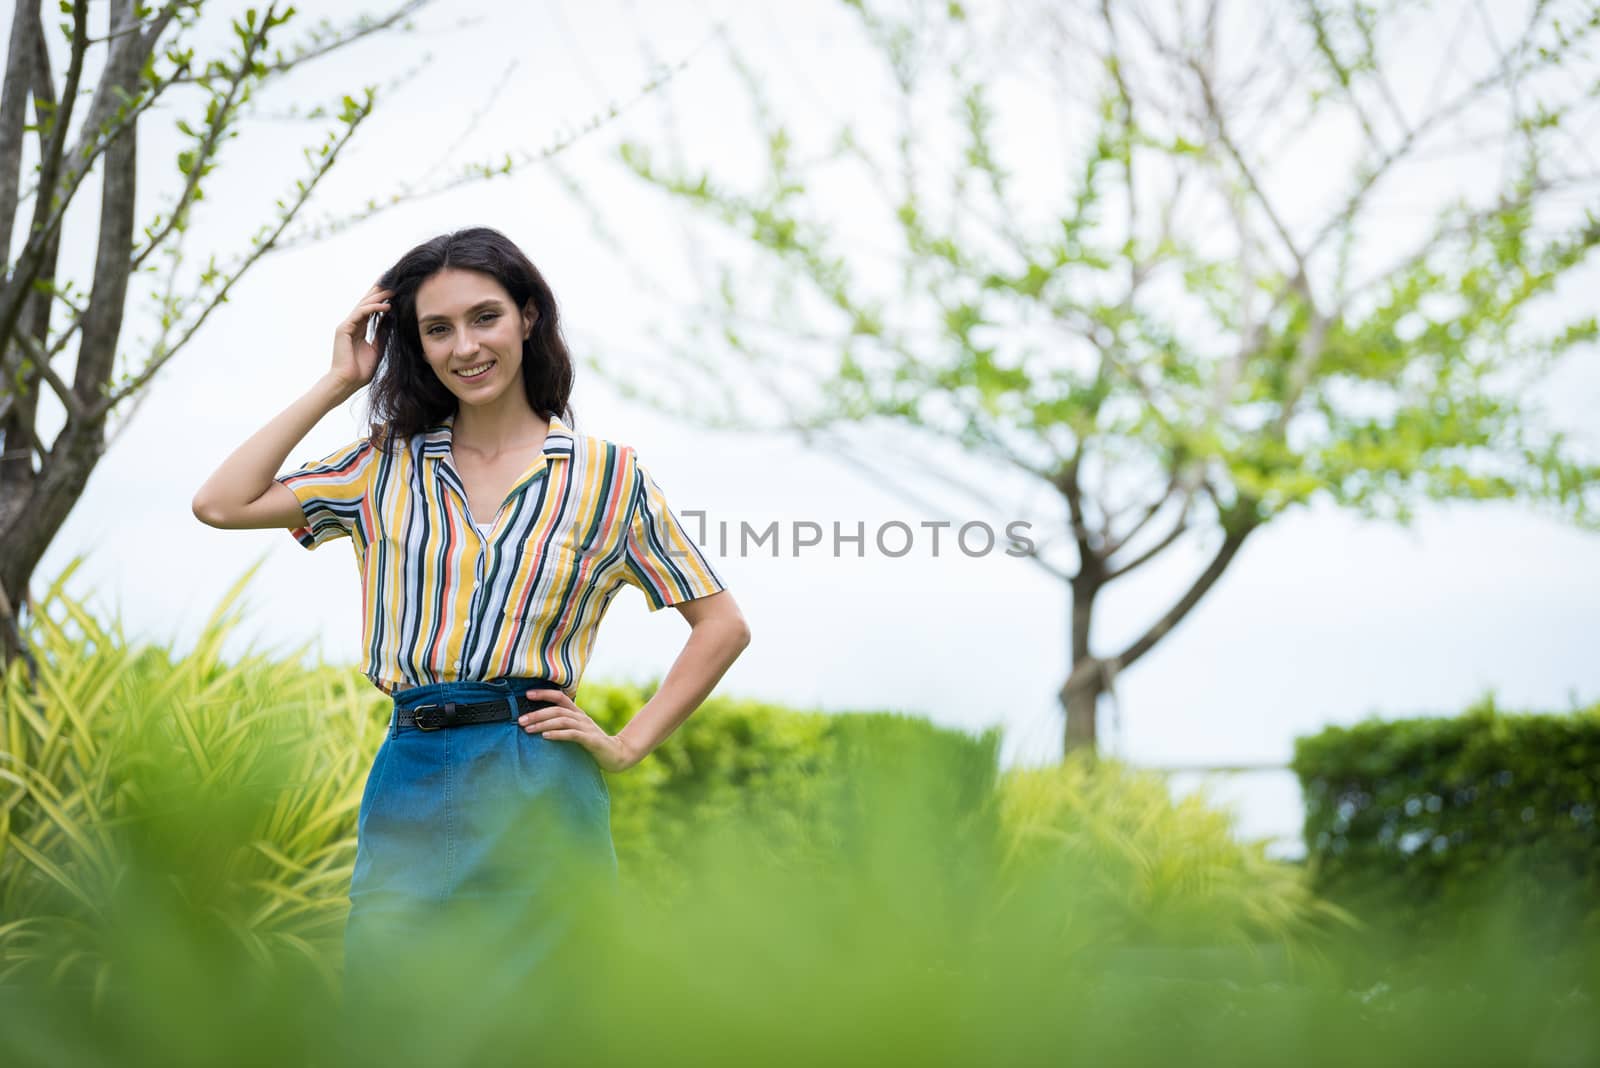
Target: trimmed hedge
x=1417 y=823
x=817 y=785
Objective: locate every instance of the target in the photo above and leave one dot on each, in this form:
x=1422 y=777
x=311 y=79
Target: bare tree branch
x=19 y=77
x=1233 y=539
x=42 y=228
x=1300 y=278
x=41 y=358
x=166 y=352
x=102 y=318
x=327 y=41
x=1179 y=527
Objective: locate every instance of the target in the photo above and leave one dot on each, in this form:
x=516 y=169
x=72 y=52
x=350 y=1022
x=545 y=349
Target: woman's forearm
x=713 y=646
x=249 y=471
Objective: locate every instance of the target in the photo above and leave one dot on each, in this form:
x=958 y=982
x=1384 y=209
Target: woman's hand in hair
x=355 y=359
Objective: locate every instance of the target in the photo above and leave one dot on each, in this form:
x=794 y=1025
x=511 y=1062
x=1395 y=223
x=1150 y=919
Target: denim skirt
x=490 y=838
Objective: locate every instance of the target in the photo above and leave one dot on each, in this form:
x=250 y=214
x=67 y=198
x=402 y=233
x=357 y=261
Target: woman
x=490 y=537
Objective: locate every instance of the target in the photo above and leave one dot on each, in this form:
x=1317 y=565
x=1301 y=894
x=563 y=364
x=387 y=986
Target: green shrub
x=1419 y=822
x=734 y=760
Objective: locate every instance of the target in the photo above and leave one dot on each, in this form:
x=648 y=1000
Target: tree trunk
x=1081 y=703
x=34 y=505
x=1080 y=694
x=27 y=531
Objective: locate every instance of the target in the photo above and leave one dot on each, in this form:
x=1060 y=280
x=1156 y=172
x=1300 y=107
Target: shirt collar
x=436 y=439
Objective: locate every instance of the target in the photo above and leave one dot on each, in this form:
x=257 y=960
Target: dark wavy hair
x=405 y=396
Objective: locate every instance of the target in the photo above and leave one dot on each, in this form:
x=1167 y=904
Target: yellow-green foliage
x=237 y=783
x=1111 y=841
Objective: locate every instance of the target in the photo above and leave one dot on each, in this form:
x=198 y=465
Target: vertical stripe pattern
x=442 y=601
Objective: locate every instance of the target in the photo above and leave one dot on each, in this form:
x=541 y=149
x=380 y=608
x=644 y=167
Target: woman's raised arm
x=243 y=494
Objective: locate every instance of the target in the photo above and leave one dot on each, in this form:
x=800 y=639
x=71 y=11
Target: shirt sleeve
x=332 y=492
x=662 y=560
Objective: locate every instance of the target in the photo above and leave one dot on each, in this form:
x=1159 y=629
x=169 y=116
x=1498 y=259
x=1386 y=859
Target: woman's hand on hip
x=565 y=721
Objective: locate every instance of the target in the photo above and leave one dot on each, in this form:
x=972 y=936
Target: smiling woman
x=488 y=317
x=490 y=537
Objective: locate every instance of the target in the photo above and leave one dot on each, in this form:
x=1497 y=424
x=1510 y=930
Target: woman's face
x=467 y=321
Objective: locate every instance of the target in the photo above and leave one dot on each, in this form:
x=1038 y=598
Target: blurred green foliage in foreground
x=177 y=834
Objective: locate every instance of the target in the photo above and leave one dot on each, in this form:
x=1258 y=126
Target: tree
x=1197 y=338
x=135 y=79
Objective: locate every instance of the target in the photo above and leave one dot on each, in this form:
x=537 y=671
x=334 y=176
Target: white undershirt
x=484 y=527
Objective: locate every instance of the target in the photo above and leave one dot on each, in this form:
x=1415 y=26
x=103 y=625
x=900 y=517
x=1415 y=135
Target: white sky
x=1322 y=618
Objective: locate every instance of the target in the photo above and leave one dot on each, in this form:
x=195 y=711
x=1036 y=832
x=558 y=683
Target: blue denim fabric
x=481 y=823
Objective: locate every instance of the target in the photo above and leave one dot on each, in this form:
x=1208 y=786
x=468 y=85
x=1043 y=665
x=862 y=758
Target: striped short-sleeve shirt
x=442 y=601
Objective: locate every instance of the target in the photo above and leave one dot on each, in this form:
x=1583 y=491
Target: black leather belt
x=431 y=715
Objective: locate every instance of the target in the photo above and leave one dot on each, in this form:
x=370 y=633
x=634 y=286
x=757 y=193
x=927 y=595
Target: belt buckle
x=416 y=716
